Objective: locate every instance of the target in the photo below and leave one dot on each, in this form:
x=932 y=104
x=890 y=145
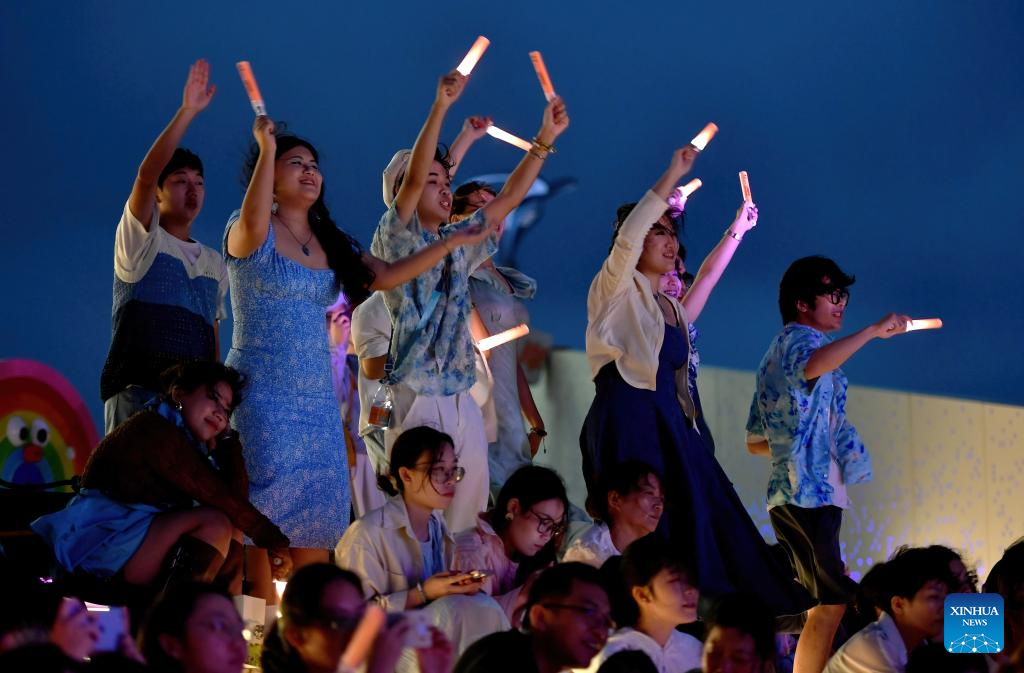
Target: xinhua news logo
x=974 y=623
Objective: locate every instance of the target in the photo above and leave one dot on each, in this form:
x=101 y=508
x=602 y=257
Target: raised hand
x=746 y=218
x=556 y=120
x=891 y=325
x=263 y=130
x=682 y=159
x=198 y=90
x=450 y=87
x=476 y=127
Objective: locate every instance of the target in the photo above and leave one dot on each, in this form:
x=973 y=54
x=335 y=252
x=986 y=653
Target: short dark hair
x=441 y=156
x=623 y=211
x=190 y=375
x=406 y=452
x=168 y=616
x=644 y=558
x=460 y=198
x=624 y=479
x=909 y=569
x=628 y=661
x=556 y=582
x=182 y=158
x=746 y=613
x=802 y=282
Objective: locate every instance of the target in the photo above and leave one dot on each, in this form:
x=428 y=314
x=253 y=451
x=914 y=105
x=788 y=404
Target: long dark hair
x=406 y=452
x=530 y=485
x=168 y=616
x=344 y=254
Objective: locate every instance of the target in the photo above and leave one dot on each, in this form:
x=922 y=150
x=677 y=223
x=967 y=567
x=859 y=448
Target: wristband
x=732 y=234
x=423 y=594
x=540 y=432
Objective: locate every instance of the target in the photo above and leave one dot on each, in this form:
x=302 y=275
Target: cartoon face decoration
x=47 y=430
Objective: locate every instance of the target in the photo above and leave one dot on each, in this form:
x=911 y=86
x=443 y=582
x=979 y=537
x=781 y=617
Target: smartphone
x=478 y=575
x=111 y=620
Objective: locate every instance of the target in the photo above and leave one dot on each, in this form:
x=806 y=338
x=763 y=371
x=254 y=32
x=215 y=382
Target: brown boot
x=189 y=560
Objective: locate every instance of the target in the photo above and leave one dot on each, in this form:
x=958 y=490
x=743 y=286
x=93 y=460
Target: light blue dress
x=288 y=422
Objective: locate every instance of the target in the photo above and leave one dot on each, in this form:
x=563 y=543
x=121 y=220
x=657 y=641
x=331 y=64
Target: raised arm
x=473 y=129
x=249 y=232
x=718 y=259
x=392 y=274
x=196 y=96
x=832 y=356
x=556 y=120
x=449 y=88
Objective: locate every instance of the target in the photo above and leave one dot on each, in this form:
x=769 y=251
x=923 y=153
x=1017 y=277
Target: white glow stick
x=249 y=80
x=924 y=323
x=96 y=607
x=704 y=137
x=473 y=55
x=279 y=586
x=500 y=338
x=689 y=188
x=542 y=75
x=745 y=185
x=362 y=638
x=495 y=132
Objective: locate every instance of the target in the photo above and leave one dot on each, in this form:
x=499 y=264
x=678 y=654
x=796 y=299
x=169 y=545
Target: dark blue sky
x=886 y=135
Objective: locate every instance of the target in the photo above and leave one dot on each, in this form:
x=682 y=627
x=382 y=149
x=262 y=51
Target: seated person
x=628 y=661
x=566 y=623
x=320 y=609
x=914 y=586
x=1007 y=579
x=628 y=506
x=403 y=551
x=933 y=658
x=519 y=536
x=137 y=516
x=741 y=637
x=654 y=595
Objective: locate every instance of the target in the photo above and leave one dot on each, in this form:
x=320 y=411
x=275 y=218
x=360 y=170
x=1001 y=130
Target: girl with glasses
x=403 y=550
x=518 y=537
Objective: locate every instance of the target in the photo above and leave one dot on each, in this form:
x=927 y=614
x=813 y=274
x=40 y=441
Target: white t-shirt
x=680 y=654
x=593 y=546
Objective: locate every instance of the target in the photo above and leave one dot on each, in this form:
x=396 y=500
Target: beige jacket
x=382 y=549
x=624 y=323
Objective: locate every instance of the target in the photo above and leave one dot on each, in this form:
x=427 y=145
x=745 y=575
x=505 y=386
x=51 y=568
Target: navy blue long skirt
x=704 y=518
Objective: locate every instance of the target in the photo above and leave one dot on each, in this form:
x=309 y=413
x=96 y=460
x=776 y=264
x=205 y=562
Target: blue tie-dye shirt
x=439 y=358
x=805 y=424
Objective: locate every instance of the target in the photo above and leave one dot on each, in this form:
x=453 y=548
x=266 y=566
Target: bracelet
x=533 y=151
x=544 y=146
x=732 y=234
x=540 y=432
x=423 y=594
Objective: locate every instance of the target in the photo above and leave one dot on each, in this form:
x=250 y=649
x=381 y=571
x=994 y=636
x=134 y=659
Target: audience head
x=655 y=586
x=194 y=628
x=180 y=186
x=530 y=513
x=740 y=636
x=320 y=609
x=628 y=661
x=471 y=197
x=339 y=322
x=673 y=283
x=435 y=204
x=206 y=393
x=568 y=615
x=965 y=577
x=1007 y=579
x=870 y=601
x=424 y=468
x=807 y=280
x=661 y=244
x=915 y=583
x=630 y=496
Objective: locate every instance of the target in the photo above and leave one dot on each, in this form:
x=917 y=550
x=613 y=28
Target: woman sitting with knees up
x=656 y=594
x=320 y=609
x=137 y=515
x=403 y=550
x=517 y=538
x=629 y=506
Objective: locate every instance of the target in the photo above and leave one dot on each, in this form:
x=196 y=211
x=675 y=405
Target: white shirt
x=593 y=546
x=680 y=654
x=877 y=648
x=371 y=338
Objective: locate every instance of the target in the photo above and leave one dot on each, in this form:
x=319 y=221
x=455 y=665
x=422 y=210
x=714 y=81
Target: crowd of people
x=359 y=445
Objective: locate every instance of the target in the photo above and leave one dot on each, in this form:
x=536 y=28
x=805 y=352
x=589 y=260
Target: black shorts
x=810 y=537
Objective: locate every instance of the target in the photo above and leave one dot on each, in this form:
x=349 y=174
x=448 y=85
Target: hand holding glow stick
x=542 y=75
x=249 y=80
x=745 y=186
x=689 y=188
x=500 y=338
x=704 y=137
x=924 y=323
x=495 y=132
x=473 y=55
x=363 y=637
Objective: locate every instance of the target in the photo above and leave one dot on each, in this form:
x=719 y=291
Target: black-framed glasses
x=546 y=525
x=837 y=296
x=593 y=616
x=439 y=474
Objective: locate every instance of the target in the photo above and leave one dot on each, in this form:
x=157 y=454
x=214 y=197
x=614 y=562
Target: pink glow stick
x=473 y=55
x=542 y=75
x=745 y=185
x=689 y=188
x=500 y=338
x=362 y=638
x=495 y=132
x=255 y=98
x=704 y=137
x=924 y=323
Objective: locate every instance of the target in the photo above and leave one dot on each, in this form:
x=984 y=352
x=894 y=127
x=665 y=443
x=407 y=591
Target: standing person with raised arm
x=798 y=417
x=638 y=351
x=168 y=289
x=432 y=350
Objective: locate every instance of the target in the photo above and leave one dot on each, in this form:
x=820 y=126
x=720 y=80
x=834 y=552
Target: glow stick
x=473 y=55
x=500 y=338
x=924 y=323
x=96 y=607
x=705 y=136
x=542 y=75
x=689 y=188
x=495 y=132
x=279 y=586
x=362 y=638
x=245 y=72
x=745 y=186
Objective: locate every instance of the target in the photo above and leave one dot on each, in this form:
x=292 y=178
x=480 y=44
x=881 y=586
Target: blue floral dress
x=289 y=423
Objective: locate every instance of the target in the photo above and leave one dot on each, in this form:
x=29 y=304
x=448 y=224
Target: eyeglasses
x=546 y=525
x=439 y=474
x=837 y=296
x=591 y=615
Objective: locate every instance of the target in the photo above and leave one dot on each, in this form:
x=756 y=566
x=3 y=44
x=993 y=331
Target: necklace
x=304 y=246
